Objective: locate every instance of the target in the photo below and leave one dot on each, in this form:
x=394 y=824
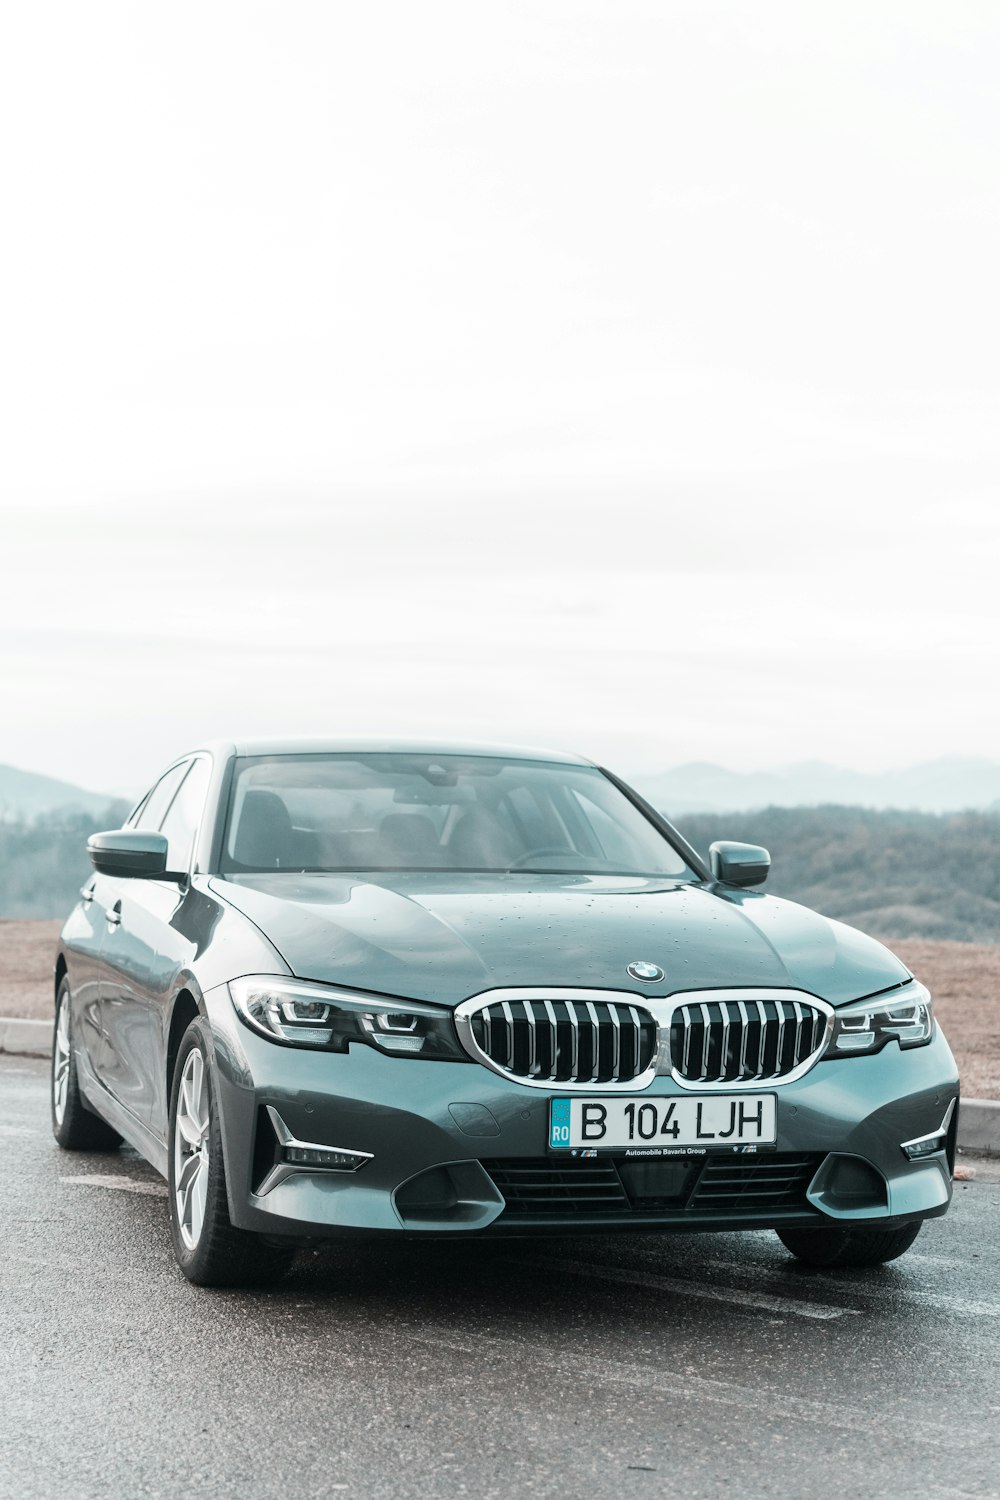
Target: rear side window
x=184 y=815
x=150 y=814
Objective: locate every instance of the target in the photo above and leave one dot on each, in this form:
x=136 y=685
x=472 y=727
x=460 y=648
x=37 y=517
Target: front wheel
x=209 y=1249
x=848 y=1247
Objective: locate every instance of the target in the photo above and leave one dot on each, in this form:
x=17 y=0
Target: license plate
x=686 y=1125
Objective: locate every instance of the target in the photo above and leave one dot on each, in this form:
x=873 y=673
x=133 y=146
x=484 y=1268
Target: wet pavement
x=593 y=1367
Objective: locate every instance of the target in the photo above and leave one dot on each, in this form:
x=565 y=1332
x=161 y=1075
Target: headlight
x=905 y=1016
x=317 y=1015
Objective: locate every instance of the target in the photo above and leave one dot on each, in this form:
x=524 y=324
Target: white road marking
x=735 y=1296
x=847 y=1283
x=119 y=1184
x=863 y=1285
x=967 y=1306
x=952 y=1262
x=571 y=1367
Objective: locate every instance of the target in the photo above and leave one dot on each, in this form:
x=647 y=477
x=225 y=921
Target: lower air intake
x=725 y=1187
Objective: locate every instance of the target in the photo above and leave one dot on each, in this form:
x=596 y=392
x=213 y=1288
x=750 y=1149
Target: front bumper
x=446 y=1143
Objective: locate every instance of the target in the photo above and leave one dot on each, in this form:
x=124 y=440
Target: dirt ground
x=964 y=979
x=27 y=954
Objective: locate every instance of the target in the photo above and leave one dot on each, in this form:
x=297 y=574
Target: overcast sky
x=619 y=377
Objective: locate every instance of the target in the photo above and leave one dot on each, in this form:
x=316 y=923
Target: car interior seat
x=479 y=842
x=410 y=837
x=265 y=839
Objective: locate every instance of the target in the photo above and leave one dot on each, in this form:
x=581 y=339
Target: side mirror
x=739 y=864
x=125 y=851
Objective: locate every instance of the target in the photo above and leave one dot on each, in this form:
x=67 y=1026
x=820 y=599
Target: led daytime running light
x=320 y=1016
x=905 y=1016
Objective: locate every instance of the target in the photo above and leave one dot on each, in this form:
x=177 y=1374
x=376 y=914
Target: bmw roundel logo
x=648 y=973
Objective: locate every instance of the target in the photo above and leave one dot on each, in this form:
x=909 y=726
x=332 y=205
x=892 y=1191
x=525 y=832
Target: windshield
x=444 y=812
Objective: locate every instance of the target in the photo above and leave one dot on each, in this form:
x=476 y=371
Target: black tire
x=849 y=1247
x=75 y=1127
x=220 y=1255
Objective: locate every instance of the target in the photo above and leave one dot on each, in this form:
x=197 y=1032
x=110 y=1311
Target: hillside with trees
x=894 y=874
x=25 y=795
x=43 y=861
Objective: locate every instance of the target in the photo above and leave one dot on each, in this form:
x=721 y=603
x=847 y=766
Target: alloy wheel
x=191 y=1149
x=60 y=1063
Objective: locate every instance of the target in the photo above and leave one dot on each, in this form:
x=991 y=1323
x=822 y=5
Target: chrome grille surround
x=555 y=1039
x=615 y=1041
x=733 y=1039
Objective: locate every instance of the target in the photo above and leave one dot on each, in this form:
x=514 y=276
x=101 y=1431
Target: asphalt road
x=592 y=1367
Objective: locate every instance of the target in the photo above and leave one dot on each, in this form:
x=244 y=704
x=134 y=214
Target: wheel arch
x=186 y=1008
x=60 y=971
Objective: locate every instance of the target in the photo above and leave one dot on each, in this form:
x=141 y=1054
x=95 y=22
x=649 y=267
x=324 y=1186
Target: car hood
x=444 y=939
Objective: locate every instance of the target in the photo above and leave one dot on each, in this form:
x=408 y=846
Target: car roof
x=383 y=744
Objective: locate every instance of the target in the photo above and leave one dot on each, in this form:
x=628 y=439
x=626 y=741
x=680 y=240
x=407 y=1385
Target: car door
x=83 y=938
x=175 y=913
x=130 y=969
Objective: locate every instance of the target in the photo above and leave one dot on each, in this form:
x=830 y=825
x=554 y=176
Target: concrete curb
x=979 y=1127
x=978 y=1119
x=27 y=1038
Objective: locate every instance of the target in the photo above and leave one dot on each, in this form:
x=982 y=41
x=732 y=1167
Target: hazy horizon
x=612 y=377
x=730 y=779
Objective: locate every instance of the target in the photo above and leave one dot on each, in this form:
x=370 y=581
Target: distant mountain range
x=25 y=795
x=952 y=784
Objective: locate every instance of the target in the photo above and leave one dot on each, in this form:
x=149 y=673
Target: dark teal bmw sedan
x=405 y=989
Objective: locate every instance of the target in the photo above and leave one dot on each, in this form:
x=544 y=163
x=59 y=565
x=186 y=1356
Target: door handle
x=114 y=915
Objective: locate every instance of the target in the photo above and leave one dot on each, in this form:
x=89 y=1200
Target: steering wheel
x=522 y=860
